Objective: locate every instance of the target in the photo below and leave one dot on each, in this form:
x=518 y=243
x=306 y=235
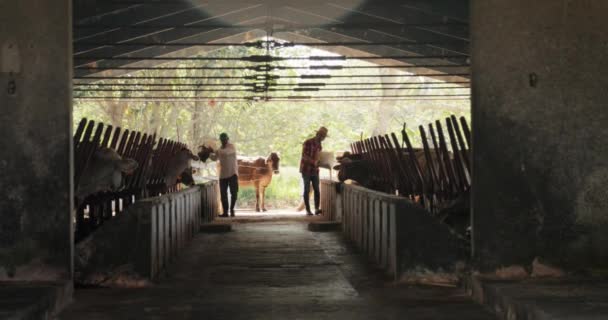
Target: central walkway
x=273 y=269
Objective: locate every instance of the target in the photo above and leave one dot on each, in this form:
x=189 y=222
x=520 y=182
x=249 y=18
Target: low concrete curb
x=324 y=226
x=215 y=227
x=34 y=300
x=542 y=299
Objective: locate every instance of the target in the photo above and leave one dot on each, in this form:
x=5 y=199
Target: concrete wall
x=35 y=139
x=397 y=235
x=541 y=149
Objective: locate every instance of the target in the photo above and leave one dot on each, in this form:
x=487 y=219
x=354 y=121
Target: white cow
x=103 y=173
x=178 y=165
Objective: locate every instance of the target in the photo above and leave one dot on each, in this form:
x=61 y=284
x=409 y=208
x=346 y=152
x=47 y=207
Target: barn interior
x=525 y=173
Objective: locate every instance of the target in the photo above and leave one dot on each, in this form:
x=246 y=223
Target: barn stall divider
x=147 y=180
x=395 y=233
x=330 y=200
x=433 y=175
x=108 y=223
x=398 y=218
x=167 y=223
x=210 y=201
x=97 y=208
x=148 y=236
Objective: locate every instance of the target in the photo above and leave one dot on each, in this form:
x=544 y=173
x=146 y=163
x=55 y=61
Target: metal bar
x=230 y=84
x=442 y=171
x=292 y=26
x=463 y=148
x=258 y=91
x=146 y=156
x=274 y=45
x=264 y=43
x=153 y=178
x=410 y=175
x=458 y=162
x=139 y=156
x=115 y=137
x=291 y=99
x=83 y=152
x=106 y=136
x=255 y=98
x=130 y=152
x=165 y=158
x=89 y=147
x=274 y=77
x=373 y=160
x=362 y=148
x=154 y=174
x=78 y=155
x=123 y=141
x=413 y=160
x=264 y=58
x=447 y=161
x=393 y=161
x=273 y=68
x=391 y=169
x=79 y=132
x=383 y=164
x=433 y=181
x=465 y=129
x=130 y=144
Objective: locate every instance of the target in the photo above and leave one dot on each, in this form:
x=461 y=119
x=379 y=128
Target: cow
x=457 y=214
x=258 y=173
x=358 y=167
x=103 y=172
x=204 y=152
x=353 y=167
x=179 y=169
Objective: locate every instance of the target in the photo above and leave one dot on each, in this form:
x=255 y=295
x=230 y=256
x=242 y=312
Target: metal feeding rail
x=433 y=175
x=152 y=159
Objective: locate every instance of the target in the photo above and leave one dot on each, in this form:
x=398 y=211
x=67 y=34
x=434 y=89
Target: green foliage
x=258 y=128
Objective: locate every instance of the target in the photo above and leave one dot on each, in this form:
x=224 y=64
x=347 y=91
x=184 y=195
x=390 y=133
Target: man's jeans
x=231 y=183
x=315 y=186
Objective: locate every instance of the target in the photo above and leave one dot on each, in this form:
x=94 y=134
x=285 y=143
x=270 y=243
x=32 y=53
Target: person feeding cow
x=228 y=173
x=309 y=168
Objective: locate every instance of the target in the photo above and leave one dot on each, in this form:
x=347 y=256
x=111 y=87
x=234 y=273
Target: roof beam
x=241 y=15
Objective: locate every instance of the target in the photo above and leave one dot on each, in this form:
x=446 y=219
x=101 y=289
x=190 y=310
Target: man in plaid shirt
x=309 y=167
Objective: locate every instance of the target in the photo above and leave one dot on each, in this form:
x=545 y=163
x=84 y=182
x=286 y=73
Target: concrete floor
x=272 y=267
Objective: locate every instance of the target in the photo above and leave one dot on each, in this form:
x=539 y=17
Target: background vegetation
x=257 y=127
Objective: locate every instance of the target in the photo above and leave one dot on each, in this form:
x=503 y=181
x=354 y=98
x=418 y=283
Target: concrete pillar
x=540 y=112
x=35 y=140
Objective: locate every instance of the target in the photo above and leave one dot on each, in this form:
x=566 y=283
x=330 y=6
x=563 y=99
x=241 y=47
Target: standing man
x=228 y=169
x=309 y=167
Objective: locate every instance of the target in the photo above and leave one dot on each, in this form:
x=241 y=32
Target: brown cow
x=258 y=173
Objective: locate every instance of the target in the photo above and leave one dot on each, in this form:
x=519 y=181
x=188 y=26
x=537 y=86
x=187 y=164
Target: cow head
x=273 y=159
x=104 y=172
x=186 y=153
x=353 y=167
x=204 y=153
x=178 y=163
x=186 y=177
